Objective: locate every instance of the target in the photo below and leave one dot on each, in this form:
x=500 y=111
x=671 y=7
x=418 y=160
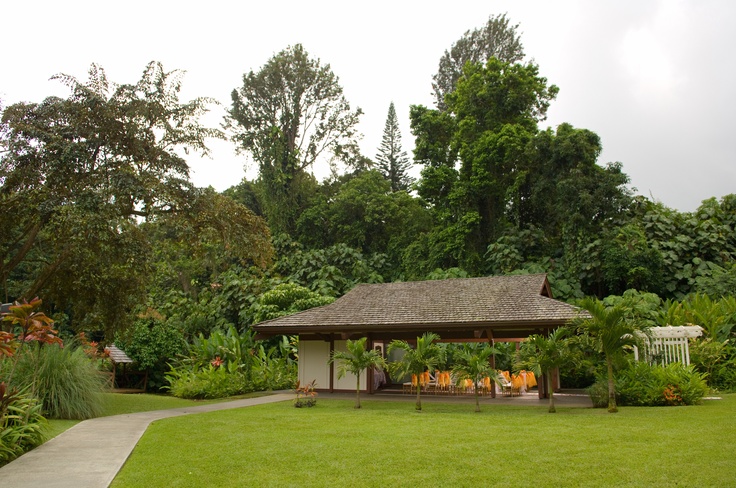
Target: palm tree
x=473 y=362
x=611 y=332
x=542 y=354
x=356 y=360
x=426 y=356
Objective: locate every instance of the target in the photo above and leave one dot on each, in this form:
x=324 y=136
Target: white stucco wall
x=313 y=357
x=347 y=382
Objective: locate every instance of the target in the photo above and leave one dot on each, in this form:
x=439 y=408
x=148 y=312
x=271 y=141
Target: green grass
x=118 y=404
x=388 y=444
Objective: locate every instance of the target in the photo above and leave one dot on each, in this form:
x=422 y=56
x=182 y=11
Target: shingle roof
x=462 y=303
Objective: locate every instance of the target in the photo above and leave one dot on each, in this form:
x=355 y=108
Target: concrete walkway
x=91 y=453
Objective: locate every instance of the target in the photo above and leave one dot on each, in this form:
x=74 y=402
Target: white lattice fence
x=669 y=344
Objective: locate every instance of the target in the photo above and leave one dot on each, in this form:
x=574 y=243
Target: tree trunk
x=46 y=274
x=551 y=389
x=612 y=408
x=418 y=405
x=357 y=393
x=30 y=232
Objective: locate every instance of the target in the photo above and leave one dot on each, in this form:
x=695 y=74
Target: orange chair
x=411 y=387
x=486 y=386
x=442 y=382
x=517 y=382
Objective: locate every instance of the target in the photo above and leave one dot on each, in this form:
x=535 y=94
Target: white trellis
x=668 y=344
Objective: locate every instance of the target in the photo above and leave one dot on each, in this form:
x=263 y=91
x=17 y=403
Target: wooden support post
x=489 y=334
x=332 y=365
x=369 y=371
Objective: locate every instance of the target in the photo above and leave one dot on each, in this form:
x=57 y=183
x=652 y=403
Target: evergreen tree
x=392 y=161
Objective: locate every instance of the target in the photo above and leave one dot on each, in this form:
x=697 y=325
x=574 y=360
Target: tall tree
x=79 y=174
x=392 y=161
x=489 y=125
x=289 y=116
x=496 y=39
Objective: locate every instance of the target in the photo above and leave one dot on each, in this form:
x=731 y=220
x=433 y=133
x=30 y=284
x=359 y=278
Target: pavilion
x=488 y=309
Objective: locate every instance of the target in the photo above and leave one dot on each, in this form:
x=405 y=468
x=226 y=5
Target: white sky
x=652 y=78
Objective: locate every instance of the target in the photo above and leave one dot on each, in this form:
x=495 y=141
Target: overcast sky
x=653 y=79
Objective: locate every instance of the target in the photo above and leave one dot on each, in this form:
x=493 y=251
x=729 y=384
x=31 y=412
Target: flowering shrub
x=672 y=395
x=652 y=385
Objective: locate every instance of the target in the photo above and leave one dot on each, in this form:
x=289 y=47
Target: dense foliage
x=100 y=218
x=288 y=116
x=232 y=363
x=496 y=39
x=79 y=175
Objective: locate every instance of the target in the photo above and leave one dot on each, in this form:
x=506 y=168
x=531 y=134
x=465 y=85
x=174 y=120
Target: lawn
x=388 y=444
x=118 y=403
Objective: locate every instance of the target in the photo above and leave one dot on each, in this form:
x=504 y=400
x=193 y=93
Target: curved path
x=91 y=453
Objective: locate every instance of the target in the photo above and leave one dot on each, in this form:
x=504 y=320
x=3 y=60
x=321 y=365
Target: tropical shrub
x=598 y=393
x=229 y=363
x=211 y=382
x=152 y=343
x=64 y=380
x=648 y=385
x=717 y=360
x=230 y=347
x=21 y=424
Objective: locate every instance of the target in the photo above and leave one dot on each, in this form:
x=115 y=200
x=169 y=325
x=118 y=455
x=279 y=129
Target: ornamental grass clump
x=35 y=361
x=66 y=382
